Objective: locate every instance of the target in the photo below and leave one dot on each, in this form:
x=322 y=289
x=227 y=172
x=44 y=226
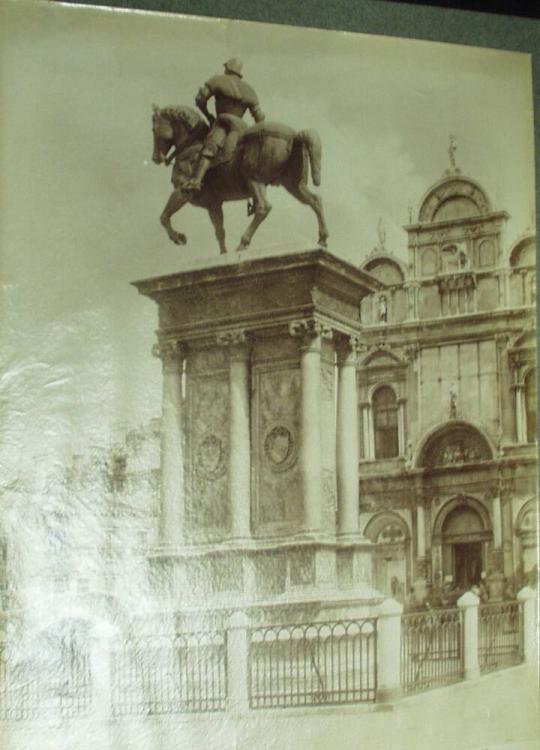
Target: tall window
x=530 y=405
x=385 y=423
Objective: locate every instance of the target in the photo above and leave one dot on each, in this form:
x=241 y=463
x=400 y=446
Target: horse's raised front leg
x=302 y=193
x=177 y=199
x=261 y=211
x=215 y=212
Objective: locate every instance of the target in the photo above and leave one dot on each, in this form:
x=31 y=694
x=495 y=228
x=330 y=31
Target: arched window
x=530 y=406
x=385 y=423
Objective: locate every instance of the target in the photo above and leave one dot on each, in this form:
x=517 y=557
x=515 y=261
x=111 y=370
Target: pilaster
x=347 y=443
x=171 y=522
x=239 y=431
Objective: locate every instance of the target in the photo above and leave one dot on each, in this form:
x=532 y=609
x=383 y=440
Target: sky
x=80 y=198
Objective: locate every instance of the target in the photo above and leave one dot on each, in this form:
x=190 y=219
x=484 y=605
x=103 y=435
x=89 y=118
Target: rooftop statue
x=219 y=158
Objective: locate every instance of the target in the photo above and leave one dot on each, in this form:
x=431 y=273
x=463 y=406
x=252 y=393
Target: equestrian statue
x=219 y=158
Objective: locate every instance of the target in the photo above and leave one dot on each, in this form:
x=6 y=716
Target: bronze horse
x=266 y=154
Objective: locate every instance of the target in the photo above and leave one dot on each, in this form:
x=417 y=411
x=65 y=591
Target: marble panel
x=277 y=483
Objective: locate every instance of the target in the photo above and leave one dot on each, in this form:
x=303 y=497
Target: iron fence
x=500 y=635
x=19 y=691
x=60 y=688
x=431 y=649
x=317 y=664
x=158 y=675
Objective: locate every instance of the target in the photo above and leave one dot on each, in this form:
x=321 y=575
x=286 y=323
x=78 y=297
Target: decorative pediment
x=452 y=199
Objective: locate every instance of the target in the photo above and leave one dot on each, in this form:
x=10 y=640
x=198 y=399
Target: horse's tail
x=310 y=139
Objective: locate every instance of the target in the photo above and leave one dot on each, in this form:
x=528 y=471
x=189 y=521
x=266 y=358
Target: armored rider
x=233 y=96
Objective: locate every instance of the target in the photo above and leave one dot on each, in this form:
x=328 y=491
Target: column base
x=472 y=674
x=389 y=694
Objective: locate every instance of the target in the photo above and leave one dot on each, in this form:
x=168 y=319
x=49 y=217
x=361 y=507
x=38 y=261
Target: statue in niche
x=453 y=403
x=383 y=309
x=452 y=148
x=218 y=158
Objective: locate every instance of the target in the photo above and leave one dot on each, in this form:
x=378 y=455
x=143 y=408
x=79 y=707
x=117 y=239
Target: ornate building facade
x=329 y=431
x=447 y=398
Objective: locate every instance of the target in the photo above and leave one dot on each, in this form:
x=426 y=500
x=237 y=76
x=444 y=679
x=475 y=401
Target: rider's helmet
x=234 y=65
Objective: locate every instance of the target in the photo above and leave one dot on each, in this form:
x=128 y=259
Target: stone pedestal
x=260 y=458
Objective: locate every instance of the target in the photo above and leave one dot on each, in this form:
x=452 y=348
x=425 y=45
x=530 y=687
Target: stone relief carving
x=327 y=381
x=329 y=492
x=277 y=424
x=211 y=457
x=280 y=448
x=310 y=328
x=232 y=338
x=208 y=414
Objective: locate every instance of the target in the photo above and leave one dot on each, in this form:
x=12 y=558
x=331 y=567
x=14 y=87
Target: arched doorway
x=464 y=537
x=390 y=536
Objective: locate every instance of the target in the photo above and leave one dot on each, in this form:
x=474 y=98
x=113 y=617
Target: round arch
x=385 y=518
x=464 y=502
x=372 y=390
x=387 y=269
x=526 y=244
x=459 y=429
x=449 y=189
x=527 y=511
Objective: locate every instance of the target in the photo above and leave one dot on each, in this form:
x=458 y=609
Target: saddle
x=238 y=132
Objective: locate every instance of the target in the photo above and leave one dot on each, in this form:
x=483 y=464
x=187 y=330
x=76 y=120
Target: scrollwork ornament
x=310 y=328
x=169 y=351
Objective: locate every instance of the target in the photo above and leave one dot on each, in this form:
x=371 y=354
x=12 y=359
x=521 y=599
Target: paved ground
x=498 y=712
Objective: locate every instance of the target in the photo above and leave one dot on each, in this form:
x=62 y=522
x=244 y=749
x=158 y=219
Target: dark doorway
x=467 y=564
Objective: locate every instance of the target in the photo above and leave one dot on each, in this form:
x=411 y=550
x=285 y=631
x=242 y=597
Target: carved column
x=420 y=533
x=172 y=493
x=239 y=433
x=497 y=525
x=310 y=332
x=401 y=426
x=347 y=447
x=520 y=422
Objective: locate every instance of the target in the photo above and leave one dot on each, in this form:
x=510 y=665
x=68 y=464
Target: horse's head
x=175 y=126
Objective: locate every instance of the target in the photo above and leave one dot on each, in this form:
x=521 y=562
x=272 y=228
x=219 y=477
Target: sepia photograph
x=268 y=456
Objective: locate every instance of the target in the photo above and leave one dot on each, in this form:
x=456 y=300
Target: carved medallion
x=280 y=448
x=211 y=457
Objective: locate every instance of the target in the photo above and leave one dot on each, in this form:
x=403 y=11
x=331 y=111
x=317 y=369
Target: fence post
x=527 y=596
x=389 y=651
x=100 y=675
x=238 y=662
x=468 y=604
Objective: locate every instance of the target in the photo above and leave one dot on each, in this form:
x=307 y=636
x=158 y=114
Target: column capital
x=238 y=343
x=410 y=352
x=170 y=352
x=311 y=331
x=347 y=348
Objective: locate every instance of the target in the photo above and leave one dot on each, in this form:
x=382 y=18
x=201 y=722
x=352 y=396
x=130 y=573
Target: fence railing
x=311 y=665
x=500 y=635
x=431 y=649
x=61 y=688
x=272 y=666
x=158 y=675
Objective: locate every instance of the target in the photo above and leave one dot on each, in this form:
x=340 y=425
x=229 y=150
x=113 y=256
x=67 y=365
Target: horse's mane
x=187 y=115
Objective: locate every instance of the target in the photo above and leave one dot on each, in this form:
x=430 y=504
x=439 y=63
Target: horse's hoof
x=323 y=244
x=180 y=239
x=242 y=246
x=223 y=251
